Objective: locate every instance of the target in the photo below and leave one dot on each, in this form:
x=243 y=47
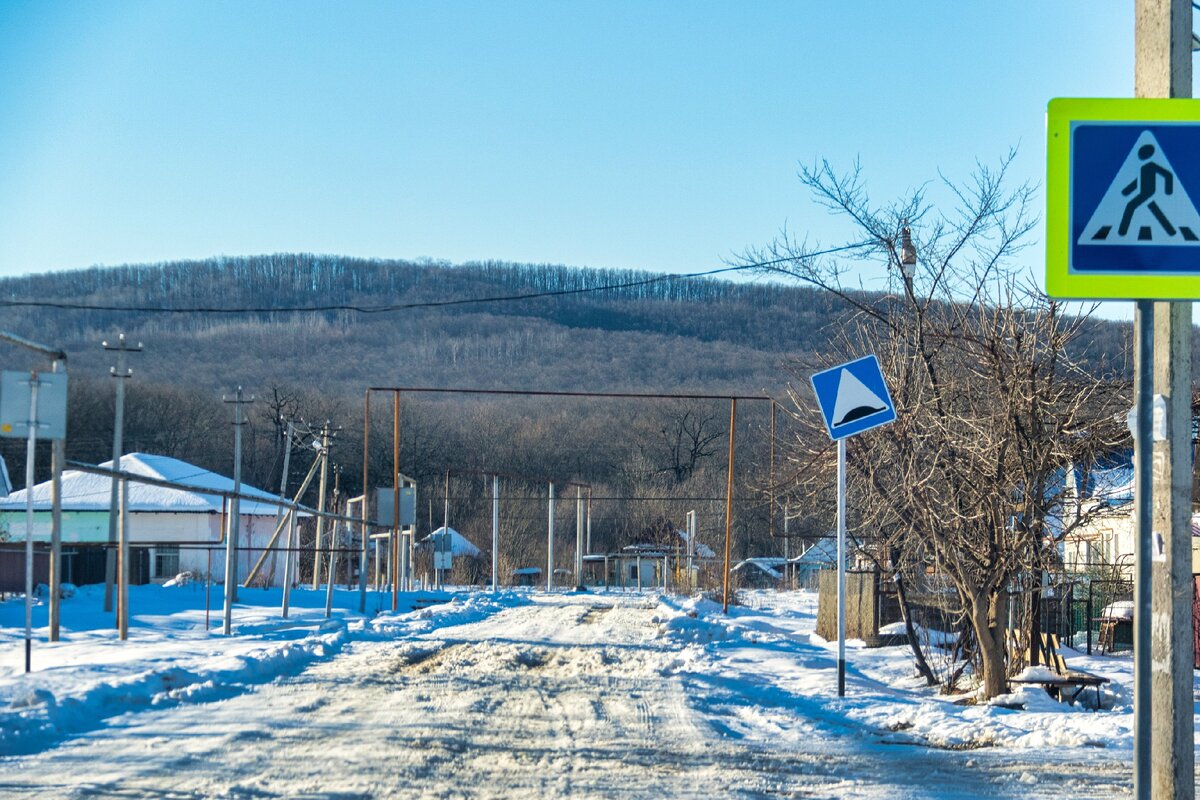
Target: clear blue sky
x=653 y=135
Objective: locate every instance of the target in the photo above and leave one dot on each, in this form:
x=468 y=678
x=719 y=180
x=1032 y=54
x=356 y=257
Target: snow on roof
x=459 y=544
x=1111 y=484
x=527 y=571
x=647 y=549
x=702 y=550
x=82 y=491
x=767 y=565
x=822 y=553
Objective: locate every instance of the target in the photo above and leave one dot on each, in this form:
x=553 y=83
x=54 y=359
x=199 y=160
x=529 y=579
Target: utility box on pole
x=385 y=502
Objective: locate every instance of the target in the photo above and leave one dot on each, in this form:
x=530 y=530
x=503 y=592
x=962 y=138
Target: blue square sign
x=853 y=397
x=1133 y=192
x=1122 y=199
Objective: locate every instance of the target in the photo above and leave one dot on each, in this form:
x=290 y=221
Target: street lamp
x=908 y=255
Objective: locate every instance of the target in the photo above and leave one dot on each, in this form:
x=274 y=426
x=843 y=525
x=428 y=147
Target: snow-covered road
x=564 y=696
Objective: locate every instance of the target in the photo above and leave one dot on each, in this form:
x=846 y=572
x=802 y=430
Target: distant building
x=459 y=544
x=1106 y=541
x=527 y=576
x=170 y=530
x=760 y=572
x=806 y=567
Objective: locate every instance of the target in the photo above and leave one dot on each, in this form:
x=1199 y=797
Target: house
x=807 y=566
x=170 y=530
x=1107 y=542
x=1106 y=539
x=760 y=572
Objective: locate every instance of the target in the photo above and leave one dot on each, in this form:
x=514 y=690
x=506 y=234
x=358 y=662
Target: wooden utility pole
x=1163 y=68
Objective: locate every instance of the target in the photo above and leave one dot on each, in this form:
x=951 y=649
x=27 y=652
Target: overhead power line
x=382 y=309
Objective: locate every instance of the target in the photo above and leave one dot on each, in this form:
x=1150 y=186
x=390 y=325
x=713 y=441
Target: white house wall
x=144 y=527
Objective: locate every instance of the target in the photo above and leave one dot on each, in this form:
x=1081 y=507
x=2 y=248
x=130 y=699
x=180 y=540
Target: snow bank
x=763 y=663
x=170 y=658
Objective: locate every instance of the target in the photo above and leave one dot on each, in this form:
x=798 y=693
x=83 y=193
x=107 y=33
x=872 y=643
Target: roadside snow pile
x=694 y=619
x=762 y=664
x=170 y=658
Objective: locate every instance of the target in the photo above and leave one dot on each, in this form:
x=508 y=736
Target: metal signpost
x=32 y=403
x=1123 y=222
x=853 y=398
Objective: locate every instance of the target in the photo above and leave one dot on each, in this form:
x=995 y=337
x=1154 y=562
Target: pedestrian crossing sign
x=853 y=397
x=1123 y=199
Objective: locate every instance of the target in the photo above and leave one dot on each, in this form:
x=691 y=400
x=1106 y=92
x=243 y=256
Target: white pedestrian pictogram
x=1145 y=204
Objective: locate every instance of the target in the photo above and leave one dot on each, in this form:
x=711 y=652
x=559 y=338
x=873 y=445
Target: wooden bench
x=1067 y=683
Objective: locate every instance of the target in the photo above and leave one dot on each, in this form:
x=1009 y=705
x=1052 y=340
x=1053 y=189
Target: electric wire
x=393 y=307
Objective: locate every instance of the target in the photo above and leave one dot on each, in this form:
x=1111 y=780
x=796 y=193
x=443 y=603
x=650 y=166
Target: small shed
x=527 y=576
x=760 y=572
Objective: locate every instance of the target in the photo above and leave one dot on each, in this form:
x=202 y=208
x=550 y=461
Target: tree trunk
x=988 y=625
x=911 y=633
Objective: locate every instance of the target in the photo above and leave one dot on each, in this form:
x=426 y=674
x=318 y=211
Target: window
x=166 y=561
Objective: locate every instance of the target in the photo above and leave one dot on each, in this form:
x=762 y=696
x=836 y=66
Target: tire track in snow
x=550 y=700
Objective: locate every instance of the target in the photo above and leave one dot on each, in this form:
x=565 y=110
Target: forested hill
x=698 y=334
x=674 y=334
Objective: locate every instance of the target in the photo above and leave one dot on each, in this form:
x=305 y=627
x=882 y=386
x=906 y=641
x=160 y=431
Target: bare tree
x=964 y=494
x=687 y=437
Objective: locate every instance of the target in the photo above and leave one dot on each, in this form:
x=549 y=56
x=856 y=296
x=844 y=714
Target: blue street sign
x=1122 y=199
x=1131 y=199
x=853 y=397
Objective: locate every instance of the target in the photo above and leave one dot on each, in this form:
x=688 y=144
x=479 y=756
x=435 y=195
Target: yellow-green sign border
x=1060 y=282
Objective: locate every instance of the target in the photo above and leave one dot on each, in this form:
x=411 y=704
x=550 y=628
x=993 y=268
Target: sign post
x=853 y=398
x=1123 y=222
x=31 y=402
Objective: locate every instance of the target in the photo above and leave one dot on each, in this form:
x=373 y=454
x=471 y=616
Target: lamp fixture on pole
x=908 y=254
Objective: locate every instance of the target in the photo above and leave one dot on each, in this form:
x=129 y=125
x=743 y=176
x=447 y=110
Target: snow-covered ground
x=480 y=695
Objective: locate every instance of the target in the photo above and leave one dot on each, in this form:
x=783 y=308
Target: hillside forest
x=647 y=462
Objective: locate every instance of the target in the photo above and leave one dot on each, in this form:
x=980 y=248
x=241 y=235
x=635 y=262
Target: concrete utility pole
x=550 y=544
x=1163 y=68
x=495 y=532
x=440 y=542
x=123 y=563
x=58 y=457
x=120 y=372
x=579 y=539
x=283 y=482
x=235 y=512
x=335 y=542
x=323 y=488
